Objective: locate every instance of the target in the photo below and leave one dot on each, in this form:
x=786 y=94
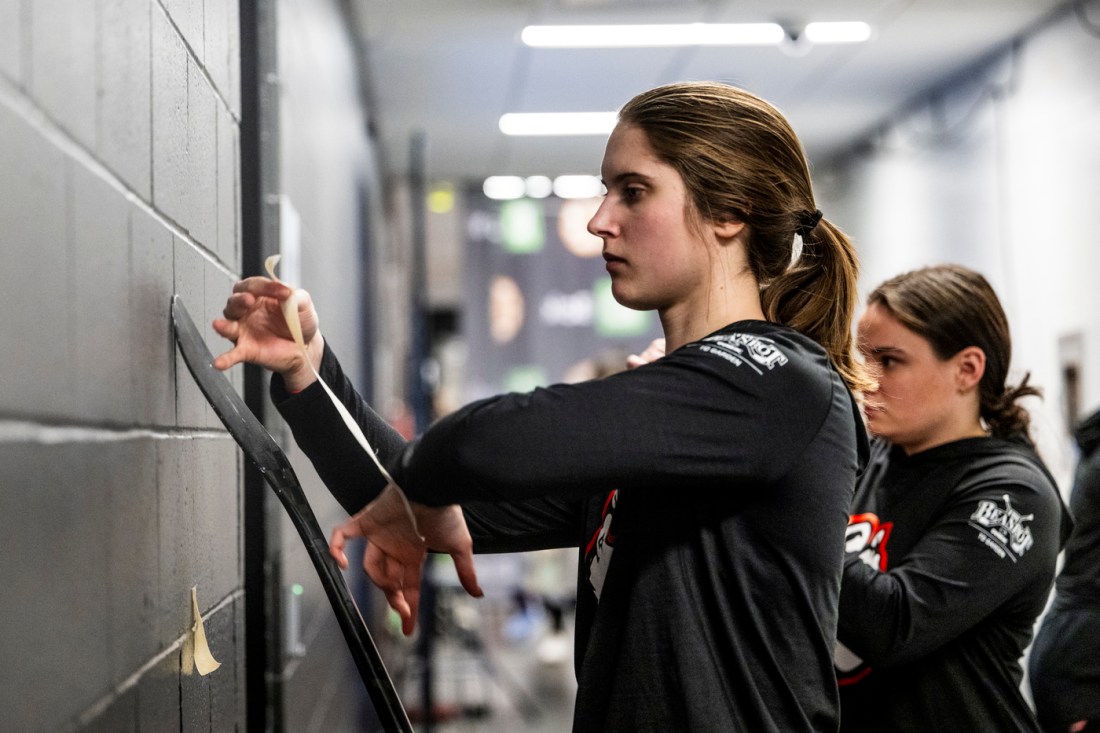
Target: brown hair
x=952 y=307
x=741 y=161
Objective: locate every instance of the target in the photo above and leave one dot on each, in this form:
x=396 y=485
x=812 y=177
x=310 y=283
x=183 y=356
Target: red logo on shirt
x=602 y=545
x=867 y=536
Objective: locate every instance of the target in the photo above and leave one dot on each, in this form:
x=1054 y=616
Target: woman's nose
x=598 y=225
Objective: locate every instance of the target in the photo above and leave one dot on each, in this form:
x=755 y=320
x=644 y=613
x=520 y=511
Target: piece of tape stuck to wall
x=204 y=660
x=290 y=313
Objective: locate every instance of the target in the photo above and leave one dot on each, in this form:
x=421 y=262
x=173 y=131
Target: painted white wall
x=1001 y=173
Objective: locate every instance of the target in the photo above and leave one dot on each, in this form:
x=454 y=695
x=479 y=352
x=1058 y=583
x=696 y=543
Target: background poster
x=538 y=307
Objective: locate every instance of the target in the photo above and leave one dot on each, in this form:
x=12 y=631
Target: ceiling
x=447 y=69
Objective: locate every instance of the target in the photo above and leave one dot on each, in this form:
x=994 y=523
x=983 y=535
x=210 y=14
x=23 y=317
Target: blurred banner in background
x=538 y=307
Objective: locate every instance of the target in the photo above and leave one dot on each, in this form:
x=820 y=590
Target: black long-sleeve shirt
x=708 y=492
x=950 y=557
x=1064 y=665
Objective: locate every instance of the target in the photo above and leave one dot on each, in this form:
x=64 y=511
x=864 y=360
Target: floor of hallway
x=496 y=670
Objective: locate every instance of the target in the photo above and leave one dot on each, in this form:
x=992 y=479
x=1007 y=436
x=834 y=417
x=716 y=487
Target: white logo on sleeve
x=1003 y=529
x=744 y=349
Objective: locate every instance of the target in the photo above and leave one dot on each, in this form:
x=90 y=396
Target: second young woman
x=956 y=525
x=708 y=491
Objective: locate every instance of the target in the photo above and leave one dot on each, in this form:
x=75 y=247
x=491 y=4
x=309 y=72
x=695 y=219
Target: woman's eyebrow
x=627 y=176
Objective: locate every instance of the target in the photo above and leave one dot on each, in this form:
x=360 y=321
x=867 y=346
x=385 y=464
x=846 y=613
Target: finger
x=238 y=305
x=260 y=286
x=408 y=620
x=467 y=573
x=633 y=361
x=384 y=571
x=387 y=574
x=411 y=590
x=226 y=328
x=396 y=599
x=229 y=359
x=336 y=548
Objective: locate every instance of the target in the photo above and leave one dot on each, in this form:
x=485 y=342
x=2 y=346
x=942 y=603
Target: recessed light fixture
x=674 y=34
x=557 y=123
x=686 y=34
x=578 y=187
x=505 y=188
x=841 y=32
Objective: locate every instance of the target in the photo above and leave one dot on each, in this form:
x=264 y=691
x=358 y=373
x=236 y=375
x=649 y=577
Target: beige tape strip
x=204 y=660
x=290 y=313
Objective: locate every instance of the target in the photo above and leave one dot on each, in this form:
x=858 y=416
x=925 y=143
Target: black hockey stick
x=262 y=450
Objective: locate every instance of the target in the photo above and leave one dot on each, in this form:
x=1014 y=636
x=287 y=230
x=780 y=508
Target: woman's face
x=920 y=402
x=655 y=258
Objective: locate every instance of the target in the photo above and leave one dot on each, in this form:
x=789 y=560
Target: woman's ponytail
x=818 y=296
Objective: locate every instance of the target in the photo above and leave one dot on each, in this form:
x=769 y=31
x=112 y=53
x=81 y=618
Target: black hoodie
x=1064 y=666
x=1080 y=576
x=951 y=556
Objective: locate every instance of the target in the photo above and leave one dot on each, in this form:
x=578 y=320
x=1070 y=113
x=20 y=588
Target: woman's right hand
x=652 y=353
x=254 y=322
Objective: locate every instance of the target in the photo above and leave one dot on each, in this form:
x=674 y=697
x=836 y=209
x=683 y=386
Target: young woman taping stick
x=708 y=491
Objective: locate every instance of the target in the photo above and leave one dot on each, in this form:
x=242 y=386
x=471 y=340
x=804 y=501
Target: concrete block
x=158 y=693
x=233 y=92
x=216 y=57
x=133 y=575
x=201 y=191
x=195 y=703
x=225 y=633
x=121 y=715
x=192 y=409
x=99 y=300
x=152 y=348
x=54 y=603
x=63 y=62
x=228 y=191
x=218 y=517
x=177 y=477
x=12 y=30
x=125 y=92
x=170 y=62
x=219 y=284
x=199 y=517
x=35 y=366
x=187 y=15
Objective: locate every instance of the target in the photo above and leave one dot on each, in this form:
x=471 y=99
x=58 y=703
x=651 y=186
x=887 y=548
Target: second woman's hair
x=741 y=161
x=952 y=307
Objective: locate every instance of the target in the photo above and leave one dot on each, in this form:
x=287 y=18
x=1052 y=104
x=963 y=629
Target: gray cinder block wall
x=119 y=490
x=121 y=184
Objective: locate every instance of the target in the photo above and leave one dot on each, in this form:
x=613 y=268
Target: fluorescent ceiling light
x=853 y=32
x=504 y=188
x=675 y=34
x=578 y=187
x=538 y=187
x=558 y=123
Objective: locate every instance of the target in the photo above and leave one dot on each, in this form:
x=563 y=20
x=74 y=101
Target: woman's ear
x=727 y=229
x=970 y=367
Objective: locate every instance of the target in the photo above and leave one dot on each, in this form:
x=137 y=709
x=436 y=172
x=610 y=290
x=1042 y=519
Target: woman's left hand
x=395 y=552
